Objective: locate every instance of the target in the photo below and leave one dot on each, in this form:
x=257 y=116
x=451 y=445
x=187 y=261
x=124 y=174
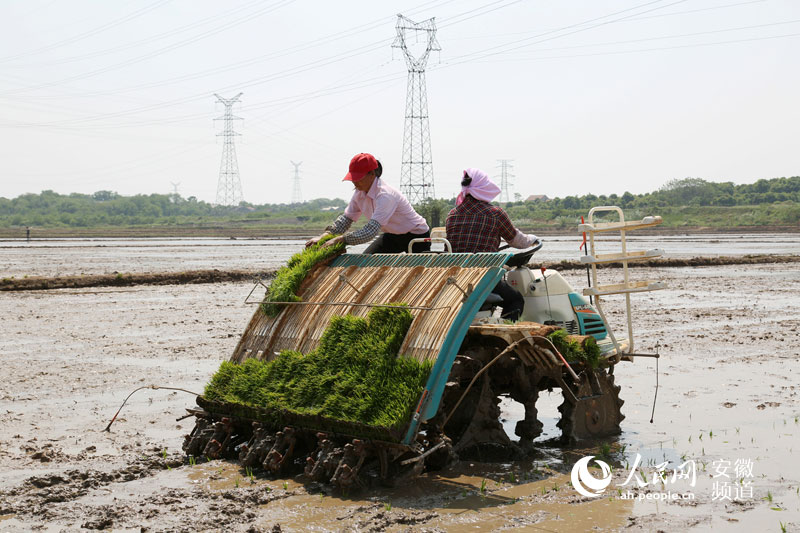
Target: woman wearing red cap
x=386 y=209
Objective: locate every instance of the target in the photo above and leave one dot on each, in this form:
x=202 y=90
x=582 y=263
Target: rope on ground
x=153 y=387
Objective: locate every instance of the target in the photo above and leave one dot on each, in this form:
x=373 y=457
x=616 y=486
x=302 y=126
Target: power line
x=137 y=44
x=156 y=53
x=89 y=33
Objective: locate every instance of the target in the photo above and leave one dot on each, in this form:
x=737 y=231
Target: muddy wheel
x=475 y=428
x=597 y=412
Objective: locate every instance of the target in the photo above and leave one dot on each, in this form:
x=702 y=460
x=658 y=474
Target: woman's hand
x=336 y=240
x=315 y=240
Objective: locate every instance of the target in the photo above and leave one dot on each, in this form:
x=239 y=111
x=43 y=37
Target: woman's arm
x=365 y=234
x=339 y=226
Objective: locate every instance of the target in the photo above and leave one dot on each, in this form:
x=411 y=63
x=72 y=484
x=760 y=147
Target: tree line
x=773 y=201
x=107 y=208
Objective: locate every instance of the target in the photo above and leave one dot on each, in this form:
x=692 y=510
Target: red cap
x=359 y=166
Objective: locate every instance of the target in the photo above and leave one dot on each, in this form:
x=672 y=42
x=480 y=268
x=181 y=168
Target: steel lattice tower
x=505 y=179
x=229 y=186
x=416 y=174
x=297 y=196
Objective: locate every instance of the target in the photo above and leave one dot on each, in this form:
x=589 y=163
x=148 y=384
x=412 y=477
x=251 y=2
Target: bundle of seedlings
x=288 y=278
x=584 y=350
x=355 y=375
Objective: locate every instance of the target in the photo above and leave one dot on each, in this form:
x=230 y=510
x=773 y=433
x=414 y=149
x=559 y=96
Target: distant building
x=330 y=208
x=537 y=198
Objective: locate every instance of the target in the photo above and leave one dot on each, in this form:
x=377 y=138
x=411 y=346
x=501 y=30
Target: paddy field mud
x=728 y=404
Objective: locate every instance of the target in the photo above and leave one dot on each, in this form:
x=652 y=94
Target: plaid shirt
x=477 y=226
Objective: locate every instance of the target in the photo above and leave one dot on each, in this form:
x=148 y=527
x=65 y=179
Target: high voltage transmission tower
x=229 y=186
x=505 y=179
x=297 y=196
x=416 y=174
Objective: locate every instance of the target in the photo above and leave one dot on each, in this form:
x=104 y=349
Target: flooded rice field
x=725 y=433
x=68 y=257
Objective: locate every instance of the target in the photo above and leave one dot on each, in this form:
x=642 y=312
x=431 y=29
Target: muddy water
x=728 y=393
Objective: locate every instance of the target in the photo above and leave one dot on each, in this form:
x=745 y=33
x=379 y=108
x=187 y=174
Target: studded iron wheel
x=597 y=413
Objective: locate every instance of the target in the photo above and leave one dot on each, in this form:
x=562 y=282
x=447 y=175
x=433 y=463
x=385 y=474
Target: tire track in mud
x=34 y=494
x=56 y=497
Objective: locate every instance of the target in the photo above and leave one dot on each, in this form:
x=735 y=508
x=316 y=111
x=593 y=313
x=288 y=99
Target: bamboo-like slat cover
x=418 y=280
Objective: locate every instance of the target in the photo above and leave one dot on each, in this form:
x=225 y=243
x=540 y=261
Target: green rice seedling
x=768 y=497
x=249 y=471
x=710 y=434
x=512 y=478
x=555 y=487
x=483 y=486
x=387 y=506
x=605 y=450
x=589 y=353
x=285 y=485
x=288 y=278
x=354 y=375
x=192 y=460
x=783 y=527
x=236 y=483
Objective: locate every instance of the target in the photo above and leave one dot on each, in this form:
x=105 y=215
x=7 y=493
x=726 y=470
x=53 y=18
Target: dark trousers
x=513 y=302
x=392 y=243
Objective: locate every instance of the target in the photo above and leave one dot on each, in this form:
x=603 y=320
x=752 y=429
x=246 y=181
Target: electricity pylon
x=505 y=180
x=297 y=196
x=416 y=173
x=229 y=186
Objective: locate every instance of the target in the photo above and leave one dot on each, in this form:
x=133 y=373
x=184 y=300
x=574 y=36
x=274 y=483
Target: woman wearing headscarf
x=385 y=207
x=475 y=225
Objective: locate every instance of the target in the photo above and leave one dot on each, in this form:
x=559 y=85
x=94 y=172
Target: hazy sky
x=584 y=96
